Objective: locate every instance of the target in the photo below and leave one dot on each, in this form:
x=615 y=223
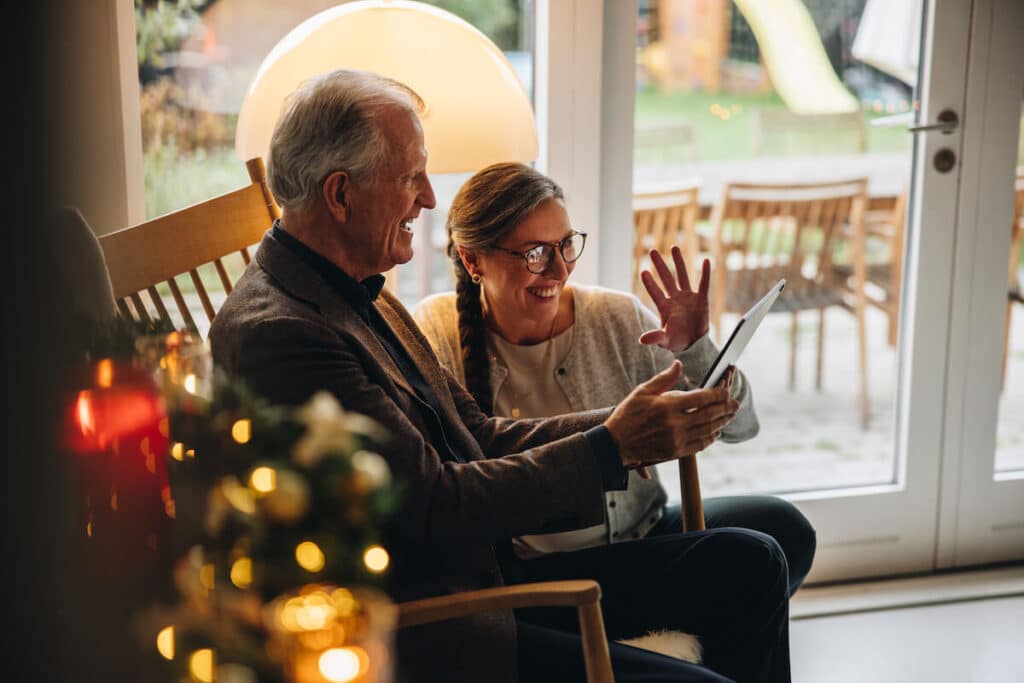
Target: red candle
x=117 y=426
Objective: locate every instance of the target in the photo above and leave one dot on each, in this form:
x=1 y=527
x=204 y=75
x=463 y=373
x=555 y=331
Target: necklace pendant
x=516 y=413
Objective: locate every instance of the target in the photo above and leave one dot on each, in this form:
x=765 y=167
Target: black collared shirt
x=361 y=296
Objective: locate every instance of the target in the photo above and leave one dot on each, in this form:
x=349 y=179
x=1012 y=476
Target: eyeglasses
x=538 y=258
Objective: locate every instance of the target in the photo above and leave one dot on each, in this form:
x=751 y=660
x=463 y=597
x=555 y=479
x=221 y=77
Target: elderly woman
x=527 y=344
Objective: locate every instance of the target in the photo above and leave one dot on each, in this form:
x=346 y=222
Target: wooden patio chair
x=1015 y=290
x=585 y=595
x=664 y=216
x=764 y=232
x=149 y=258
x=884 y=274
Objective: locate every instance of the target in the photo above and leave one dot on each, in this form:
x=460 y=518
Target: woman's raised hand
x=683 y=311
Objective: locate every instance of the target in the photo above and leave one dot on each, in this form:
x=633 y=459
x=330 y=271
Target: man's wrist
x=614 y=475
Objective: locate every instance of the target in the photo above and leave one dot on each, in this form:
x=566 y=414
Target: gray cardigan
x=604 y=363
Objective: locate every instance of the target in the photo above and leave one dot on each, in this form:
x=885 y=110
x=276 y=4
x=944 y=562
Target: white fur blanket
x=671 y=643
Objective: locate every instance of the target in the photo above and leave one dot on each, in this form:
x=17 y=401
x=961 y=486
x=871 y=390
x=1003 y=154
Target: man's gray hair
x=329 y=124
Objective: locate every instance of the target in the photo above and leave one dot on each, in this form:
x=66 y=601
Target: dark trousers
x=776 y=517
x=728 y=586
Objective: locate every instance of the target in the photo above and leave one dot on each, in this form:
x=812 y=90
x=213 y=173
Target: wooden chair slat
x=244 y=251
x=158 y=303
x=222 y=273
x=186 y=315
x=122 y=306
x=203 y=296
x=140 y=307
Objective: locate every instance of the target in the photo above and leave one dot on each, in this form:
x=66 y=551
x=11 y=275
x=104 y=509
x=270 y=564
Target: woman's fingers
x=705 y=277
x=667 y=280
x=657 y=296
x=681 y=275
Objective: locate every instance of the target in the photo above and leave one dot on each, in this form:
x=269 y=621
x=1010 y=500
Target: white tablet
x=741 y=334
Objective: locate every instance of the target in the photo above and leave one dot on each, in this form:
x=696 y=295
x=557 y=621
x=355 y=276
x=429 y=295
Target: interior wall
x=91 y=123
x=618 y=97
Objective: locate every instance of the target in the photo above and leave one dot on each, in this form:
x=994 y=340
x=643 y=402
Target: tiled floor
x=978 y=640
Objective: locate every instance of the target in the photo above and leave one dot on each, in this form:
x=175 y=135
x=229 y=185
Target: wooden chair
x=585 y=595
x=664 y=216
x=149 y=257
x=1015 y=290
x=764 y=232
x=885 y=275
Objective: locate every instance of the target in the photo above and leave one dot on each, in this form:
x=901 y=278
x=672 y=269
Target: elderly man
x=347 y=164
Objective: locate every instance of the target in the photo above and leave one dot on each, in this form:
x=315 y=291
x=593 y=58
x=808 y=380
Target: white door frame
x=981 y=517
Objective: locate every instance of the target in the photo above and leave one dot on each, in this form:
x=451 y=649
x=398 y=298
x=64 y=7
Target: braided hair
x=487 y=207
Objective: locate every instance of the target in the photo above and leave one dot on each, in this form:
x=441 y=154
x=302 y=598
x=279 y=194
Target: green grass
x=174 y=181
x=718 y=139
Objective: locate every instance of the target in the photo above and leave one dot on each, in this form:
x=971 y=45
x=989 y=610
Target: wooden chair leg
x=689 y=488
x=596 y=657
x=892 y=325
x=792 y=352
x=821 y=348
x=860 y=278
x=862 y=348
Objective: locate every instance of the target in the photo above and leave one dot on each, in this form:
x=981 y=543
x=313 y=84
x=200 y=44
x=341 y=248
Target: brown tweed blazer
x=289 y=334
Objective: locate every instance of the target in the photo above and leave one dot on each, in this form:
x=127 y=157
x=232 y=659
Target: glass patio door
x=890 y=527
x=917 y=485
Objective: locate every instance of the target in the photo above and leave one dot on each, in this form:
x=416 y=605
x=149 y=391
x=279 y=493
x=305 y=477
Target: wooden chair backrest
x=149 y=257
x=784 y=228
x=664 y=217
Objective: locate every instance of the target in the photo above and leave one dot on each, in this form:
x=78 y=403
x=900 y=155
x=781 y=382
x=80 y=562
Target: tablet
x=741 y=334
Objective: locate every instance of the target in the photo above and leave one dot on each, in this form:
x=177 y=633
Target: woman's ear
x=470 y=260
x=335 y=193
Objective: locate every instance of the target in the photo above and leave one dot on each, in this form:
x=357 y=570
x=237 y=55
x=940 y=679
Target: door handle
x=947 y=122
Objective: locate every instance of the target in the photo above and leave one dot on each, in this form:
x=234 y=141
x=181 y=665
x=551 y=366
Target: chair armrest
x=545 y=594
x=583 y=594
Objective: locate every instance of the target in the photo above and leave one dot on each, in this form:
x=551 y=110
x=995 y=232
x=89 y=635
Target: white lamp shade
x=477 y=112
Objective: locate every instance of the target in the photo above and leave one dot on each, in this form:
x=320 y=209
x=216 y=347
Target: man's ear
x=469 y=259
x=335 y=192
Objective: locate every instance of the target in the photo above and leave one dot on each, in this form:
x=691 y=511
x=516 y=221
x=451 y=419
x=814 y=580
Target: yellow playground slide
x=795 y=57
